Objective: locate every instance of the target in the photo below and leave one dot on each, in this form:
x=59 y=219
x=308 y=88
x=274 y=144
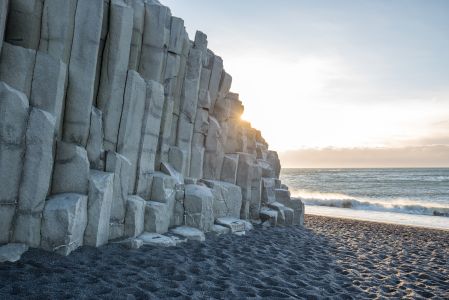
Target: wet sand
x=329 y=258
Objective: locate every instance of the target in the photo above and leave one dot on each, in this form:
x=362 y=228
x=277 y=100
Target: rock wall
x=114 y=123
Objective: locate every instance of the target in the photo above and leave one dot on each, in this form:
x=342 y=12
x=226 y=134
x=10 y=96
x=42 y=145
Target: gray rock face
x=156 y=239
x=24 y=23
x=285 y=214
x=3 y=15
x=99 y=208
x=13 y=124
x=283 y=197
x=138 y=27
x=120 y=166
x=229 y=168
x=16 y=67
x=157 y=217
x=245 y=173
x=135 y=212
x=189 y=233
x=131 y=123
x=58 y=21
x=63 y=223
x=36 y=176
x=82 y=70
x=71 y=171
x=103 y=99
x=273 y=159
x=218 y=229
x=48 y=87
x=234 y=224
x=12 y=252
x=227 y=198
x=198 y=207
x=114 y=71
x=94 y=146
x=270 y=215
x=155 y=41
x=154 y=102
x=268 y=190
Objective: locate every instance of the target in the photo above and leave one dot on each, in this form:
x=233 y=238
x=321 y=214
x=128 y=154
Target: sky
x=343 y=78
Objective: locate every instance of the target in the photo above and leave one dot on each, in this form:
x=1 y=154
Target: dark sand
x=330 y=258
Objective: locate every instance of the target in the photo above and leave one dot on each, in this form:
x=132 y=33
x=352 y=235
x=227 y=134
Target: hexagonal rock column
x=157 y=217
x=13 y=124
x=227 y=198
x=244 y=180
x=63 y=223
x=58 y=21
x=3 y=14
x=135 y=213
x=95 y=151
x=99 y=208
x=120 y=166
x=155 y=41
x=154 y=102
x=71 y=171
x=268 y=190
x=130 y=132
x=198 y=207
x=274 y=161
x=82 y=70
x=285 y=214
x=36 y=176
x=229 y=168
x=16 y=67
x=48 y=87
x=136 y=38
x=114 y=69
x=283 y=197
x=24 y=23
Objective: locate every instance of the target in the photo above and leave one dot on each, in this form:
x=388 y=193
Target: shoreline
x=329 y=257
x=393 y=218
x=376 y=222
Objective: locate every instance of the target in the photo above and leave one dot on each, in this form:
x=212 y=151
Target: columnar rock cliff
x=114 y=125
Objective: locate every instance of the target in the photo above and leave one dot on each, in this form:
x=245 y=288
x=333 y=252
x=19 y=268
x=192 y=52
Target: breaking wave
x=388 y=205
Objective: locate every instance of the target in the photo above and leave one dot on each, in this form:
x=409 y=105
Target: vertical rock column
x=138 y=26
x=130 y=132
x=24 y=23
x=114 y=72
x=36 y=175
x=4 y=5
x=189 y=100
x=17 y=66
x=58 y=21
x=154 y=103
x=82 y=70
x=201 y=124
x=152 y=65
x=13 y=124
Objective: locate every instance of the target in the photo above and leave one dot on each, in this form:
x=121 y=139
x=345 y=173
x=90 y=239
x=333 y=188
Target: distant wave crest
x=388 y=205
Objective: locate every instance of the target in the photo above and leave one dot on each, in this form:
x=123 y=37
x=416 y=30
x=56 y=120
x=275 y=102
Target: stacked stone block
x=115 y=125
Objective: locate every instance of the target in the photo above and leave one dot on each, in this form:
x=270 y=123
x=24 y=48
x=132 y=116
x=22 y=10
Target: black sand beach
x=329 y=258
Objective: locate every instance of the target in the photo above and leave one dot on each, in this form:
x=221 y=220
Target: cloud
x=424 y=156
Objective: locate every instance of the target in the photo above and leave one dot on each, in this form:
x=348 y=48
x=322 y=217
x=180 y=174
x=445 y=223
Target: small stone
x=12 y=252
x=189 y=233
x=156 y=239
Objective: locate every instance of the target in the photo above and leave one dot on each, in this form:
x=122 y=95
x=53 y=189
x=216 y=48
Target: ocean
x=415 y=196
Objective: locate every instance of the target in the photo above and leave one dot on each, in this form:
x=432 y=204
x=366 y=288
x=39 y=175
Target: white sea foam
x=407 y=206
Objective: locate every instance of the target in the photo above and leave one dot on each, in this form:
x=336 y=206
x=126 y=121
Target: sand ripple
x=332 y=258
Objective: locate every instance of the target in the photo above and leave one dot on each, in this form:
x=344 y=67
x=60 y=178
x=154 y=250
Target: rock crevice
x=114 y=125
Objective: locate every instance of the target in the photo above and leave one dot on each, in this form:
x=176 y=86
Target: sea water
x=418 y=196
